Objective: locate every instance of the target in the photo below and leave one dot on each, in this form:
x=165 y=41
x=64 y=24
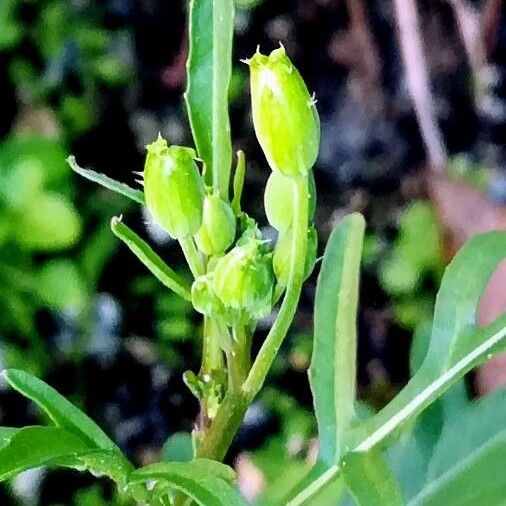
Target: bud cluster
x=240 y=275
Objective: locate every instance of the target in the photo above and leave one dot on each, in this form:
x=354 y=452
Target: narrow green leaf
x=151 y=260
x=197 y=481
x=478 y=479
x=107 y=182
x=490 y=341
x=37 y=446
x=457 y=301
x=333 y=365
x=418 y=393
x=456 y=345
x=467 y=435
x=370 y=481
x=316 y=486
x=62 y=412
x=317 y=482
x=209 y=72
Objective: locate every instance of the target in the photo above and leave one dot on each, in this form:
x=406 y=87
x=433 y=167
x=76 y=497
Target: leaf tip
x=115 y=221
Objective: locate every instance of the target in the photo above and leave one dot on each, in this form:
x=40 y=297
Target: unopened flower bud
x=284 y=114
x=218 y=226
x=243 y=280
x=173 y=188
x=204 y=299
x=282 y=255
x=278 y=200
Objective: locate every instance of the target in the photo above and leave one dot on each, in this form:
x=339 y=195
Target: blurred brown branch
x=417 y=79
x=356 y=49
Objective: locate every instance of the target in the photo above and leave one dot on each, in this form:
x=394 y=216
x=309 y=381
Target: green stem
x=192 y=256
x=218 y=437
x=238 y=358
x=212 y=358
x=240 y=171
x=279 y=329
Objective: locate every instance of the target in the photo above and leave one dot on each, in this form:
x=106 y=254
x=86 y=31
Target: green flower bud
x=278 y=200
x=173 y=188
x=284 y=114
x=204 y=299
x=218 y=226
x=281 y=257
x=243 y=280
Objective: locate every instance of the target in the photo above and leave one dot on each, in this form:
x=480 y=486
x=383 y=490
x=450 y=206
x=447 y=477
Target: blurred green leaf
x=60 y=286
x=53 y=27
x=477 y=479
x=468 y=462
x=178 y=448
x=48 y=155
x=49 y=223
x=403 y=270
x=209 y=74
x=11 y=29
x=370 y=481
x=203 y=482
x=456 y=344
x=77 y=113
x=333 y=364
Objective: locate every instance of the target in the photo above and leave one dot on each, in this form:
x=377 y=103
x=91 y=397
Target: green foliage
x=333 y=365
x=370 y=481
x=107 y=182
x=151 y=260
x=35 y=50
x=233 y=286
x=209 y=74
x=456 y=345
x=407 y=265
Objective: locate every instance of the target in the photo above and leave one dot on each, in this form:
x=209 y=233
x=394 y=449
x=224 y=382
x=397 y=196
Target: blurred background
x=413 y=115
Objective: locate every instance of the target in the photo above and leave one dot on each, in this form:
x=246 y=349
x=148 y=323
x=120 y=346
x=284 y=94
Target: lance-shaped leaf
x=333 y=365
x=151 y=260
x=456 y=343
x=479 y=479
x=37 y=446
x=107 y=182
x=209 y=72
x=201 y=481
x=62 y=412
x=370 y=481
x=492 y=340
x=468 y=462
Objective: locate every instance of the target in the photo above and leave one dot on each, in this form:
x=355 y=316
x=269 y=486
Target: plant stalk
x=279 y=329
x=192 y=256
x=218 y=437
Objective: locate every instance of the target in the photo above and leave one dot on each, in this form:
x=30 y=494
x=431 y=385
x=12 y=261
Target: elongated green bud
x=173 y=188
x=284 y=114
x=281 y=257
x=278 y=200
x=218 y=226
x=243 y=280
